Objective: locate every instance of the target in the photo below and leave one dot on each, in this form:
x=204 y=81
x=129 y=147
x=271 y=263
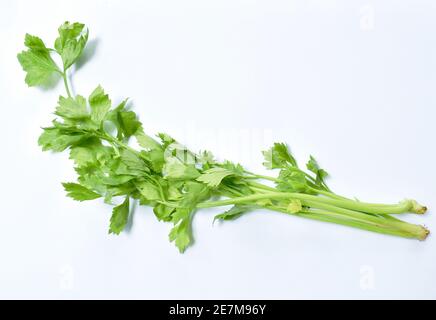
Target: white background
x=351 y=82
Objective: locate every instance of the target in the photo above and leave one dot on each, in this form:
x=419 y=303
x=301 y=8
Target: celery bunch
x=173 y=180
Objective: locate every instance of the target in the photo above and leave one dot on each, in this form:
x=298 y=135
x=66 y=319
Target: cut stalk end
x=415 y=207
x=423 y=234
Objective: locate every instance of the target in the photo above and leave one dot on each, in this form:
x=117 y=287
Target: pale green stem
x=405 y=230
x=403 y=207
x=64 y=77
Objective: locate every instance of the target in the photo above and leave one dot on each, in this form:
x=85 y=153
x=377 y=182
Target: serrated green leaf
x=146 y=141
x=37 y=62
x=34 y=43
x=129 y=123
x=126 y=122
x=166 y=139
x=116 y=180
x=312 y=165
x=100 y=104
x=320 y=174
x=181 y=233
x=72 y=108
x=213 y=177
x=157 y=159
x=71 y=42
x=67 y=31
x=90 y=176
x=163 y=212
x=119 y=218
x=148 y=190
x=174 y=169
x=279 y=156
x=292 y=180
x=79 y=192
x=134 y=162
x=237 y=169
x=90 y=151
x=82 y=155
x=193 y=193
x=54 y=139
